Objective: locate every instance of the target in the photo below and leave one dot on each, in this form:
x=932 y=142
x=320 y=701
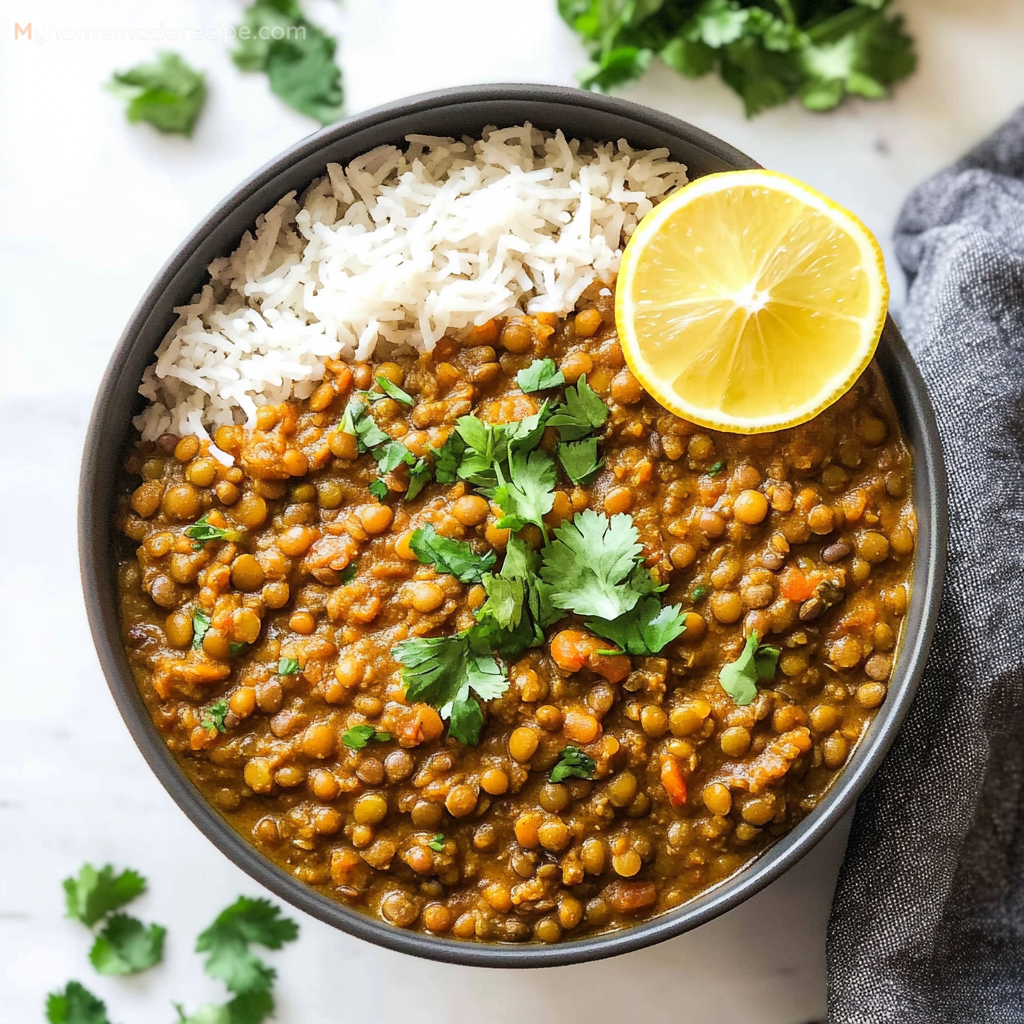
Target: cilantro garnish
x=582 y=413
x=378 y=489
x=448 y=458
x=593 y=566
x=348 y=574
x=202 y=531
x=437 y=843
x=715 y=468
x=755 y=665
x=236 y=647
x=214 y=715
x=540 y=375
x=246 y=922
x=357 y=421
x=94 y=894
x=75 y=1005
x=359 y=735
x=395 y=392
x=529 y=492
x=452 y=556
x=765 y=52
x=442 y=670
x=579 y=460
x=168 y=94
x=698 y=593
x=127 y=946
x=645 y=629
x=287 y=666
x=297 y=56
x=420 y=475
x=573 y=764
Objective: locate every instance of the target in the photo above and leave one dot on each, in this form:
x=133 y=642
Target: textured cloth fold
x=927 y=924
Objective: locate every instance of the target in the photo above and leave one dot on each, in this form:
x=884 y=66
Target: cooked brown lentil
x=806 y=535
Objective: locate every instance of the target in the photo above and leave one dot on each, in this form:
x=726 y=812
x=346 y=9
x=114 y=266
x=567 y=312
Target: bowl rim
x=917 y=417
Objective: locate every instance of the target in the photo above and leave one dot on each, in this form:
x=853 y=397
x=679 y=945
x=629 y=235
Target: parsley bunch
x=767 y=51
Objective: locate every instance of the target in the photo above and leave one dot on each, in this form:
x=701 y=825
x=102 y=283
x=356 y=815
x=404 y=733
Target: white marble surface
x=89 y=209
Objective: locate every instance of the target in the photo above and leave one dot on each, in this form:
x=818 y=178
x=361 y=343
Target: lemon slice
x=748 y=302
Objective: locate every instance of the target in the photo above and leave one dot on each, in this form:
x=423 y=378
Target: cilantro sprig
x=359 y=736
x=540 y=375
x=214 y=715
x=756 y=664
x=768 y=53
x=443 y=670
x=584 y=411
x=75 y=1005
x=167 y=93
x=124 y=945
x=389 y=453
x=296 y=55
x=573 y=763
x=202 y=531
x=451 y=556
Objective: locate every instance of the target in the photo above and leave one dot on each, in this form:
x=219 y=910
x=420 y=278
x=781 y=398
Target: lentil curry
x=592 y=760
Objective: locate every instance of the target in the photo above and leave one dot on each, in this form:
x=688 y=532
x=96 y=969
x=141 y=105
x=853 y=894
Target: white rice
x=399 y=248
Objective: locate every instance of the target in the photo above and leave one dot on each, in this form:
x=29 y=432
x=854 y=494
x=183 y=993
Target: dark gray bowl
x=458 y=112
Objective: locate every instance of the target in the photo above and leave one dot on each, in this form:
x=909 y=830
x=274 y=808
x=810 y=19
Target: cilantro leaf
x=529 y=494
x=539 y=375
x=579 y=460
x=420 y=474
x=94 y=894
x=202 y=532
x=573 y=763
x=698 y=593
x=236 y=647
x=645 y=629
x=127 y=946
x=394 y=391
x=715 y=468
x=357 y=420
x=214 y=715
x=442 y=670
x=437 y=843
x=451 y=556
x=378 y=489
x=583 y=412
x=288 y=667
x=297 y=56
x=591 y=565
x=359 y=735
x=227 y=942
x=505 y=599
x=448 y=458
x=392 y=454
x=168 y=94
x=756 y=664
x=75 y=1005
x=245 y=1008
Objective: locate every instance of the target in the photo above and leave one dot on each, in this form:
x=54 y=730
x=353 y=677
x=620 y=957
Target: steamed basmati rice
x=400 y=249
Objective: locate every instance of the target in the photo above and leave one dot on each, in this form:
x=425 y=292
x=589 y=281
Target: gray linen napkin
x=927 y=923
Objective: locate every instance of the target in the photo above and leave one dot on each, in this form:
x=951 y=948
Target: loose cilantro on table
x=451 y=556
x=573 y=764
x=579 y=460
x=202 y=531
x=214 y=715
x=442 y=670
x=358 y=736
x=643 y=630
x=583 y=412
x=127 y=946
x=756 y=664
x=94 y=894
x=540 y=375
x=766 y=52
x=297 y=56
x=437 y=843
x=593 y=566
x=167 y=94
x=288 y=667
x=75 y=1005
